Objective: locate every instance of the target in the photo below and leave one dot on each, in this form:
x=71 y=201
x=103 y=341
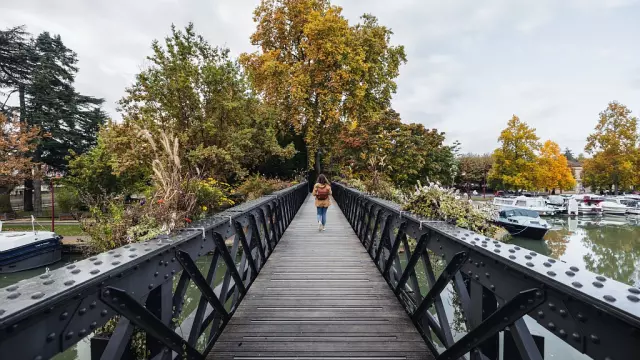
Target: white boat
x=536 y=204
x=614 y=206
x=24 y=250
x=589 y=204
x=633 y=207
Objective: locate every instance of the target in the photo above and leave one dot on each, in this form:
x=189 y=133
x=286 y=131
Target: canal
x=605 y=245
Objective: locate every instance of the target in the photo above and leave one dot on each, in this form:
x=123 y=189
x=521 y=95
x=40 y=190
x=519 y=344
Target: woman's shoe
x=323 y=228
x=319 y=225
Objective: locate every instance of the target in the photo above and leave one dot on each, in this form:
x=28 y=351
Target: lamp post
x=53 y=206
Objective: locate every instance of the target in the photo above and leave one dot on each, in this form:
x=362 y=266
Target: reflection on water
x=609 y=246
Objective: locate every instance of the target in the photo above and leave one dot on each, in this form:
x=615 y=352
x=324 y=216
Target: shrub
x=435 y=202
x=257 y=186
x=68 y=200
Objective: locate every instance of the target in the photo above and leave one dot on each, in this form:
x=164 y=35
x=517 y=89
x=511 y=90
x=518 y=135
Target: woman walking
x=322 y=192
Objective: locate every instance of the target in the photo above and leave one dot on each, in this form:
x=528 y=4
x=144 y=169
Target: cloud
x=471 y=66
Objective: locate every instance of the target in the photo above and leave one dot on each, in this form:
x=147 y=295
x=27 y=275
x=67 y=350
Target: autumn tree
x=614 y=149
x=569 y=154
x=319 y=72
x=16 y=141
x=553 y=171
x=515 y=160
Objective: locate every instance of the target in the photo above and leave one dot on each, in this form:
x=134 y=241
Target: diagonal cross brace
x=191 y=269
x=123 y=304
x=523 y=303
x=447 y=274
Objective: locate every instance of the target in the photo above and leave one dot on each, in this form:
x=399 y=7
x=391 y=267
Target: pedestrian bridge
x=379 y=283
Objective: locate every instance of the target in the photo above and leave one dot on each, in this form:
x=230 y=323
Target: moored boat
x=589 y=204
x=536 y=204
x=523 y=223
x=24 y=250
x=614 y=206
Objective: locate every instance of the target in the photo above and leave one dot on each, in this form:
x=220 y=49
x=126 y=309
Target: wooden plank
x=320 y=297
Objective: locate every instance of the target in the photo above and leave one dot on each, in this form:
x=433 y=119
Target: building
x=576 y=169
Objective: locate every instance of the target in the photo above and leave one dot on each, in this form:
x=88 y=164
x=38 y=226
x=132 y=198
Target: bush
x=435 y=202
x=257 y=186
x=212 y=195
x=68 y=200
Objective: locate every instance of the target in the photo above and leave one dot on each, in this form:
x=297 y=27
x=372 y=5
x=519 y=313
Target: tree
x=553 y=169
x=200 y=95
x=569 y=154
x=15 y=64
x=474 y=168
x=16 y=141
x=71 y=120
x=614 y=149
x=317 y=71
x=515 y=160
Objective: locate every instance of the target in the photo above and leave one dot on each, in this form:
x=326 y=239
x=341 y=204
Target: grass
x=62 y=229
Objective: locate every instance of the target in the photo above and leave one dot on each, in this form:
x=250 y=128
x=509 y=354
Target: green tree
x=317 y=71
x=15 y=64
x=474 y=168
x=614 y=149
x=515 y=160
x=69 y=120
x=569 y=154
x=199 y=94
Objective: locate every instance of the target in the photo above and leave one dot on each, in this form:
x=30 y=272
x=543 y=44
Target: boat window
x=521 y=203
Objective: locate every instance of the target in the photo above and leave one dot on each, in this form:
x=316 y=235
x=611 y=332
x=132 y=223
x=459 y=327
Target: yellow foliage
x=553 y=170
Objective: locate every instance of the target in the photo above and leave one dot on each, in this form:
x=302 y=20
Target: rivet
x=48 y=282
x=51 y=337
x=39 y=357
x=92 y=305
x=601 y=278
x=530 y=264
x=551 y=326
x=573 y=268
x=69 y=282
x=132 y=249
x=132 y=255
x=581 y=317
x=117 y=255
x=609 y=298
x=528 y=257
x=563 y=313
x=633 y=298
x=512 y=257
x=634 y=291
x=512 y=251
x=12 y=288
x=598 y=284
x=93 y=325
x=72 y=266
x=155 y=274
x=14 y=295
x=37 y=295
x=496 y=250
x=45 y=276
x=76 y=271
x=576 y=336
x=492 y=287
x=517 y=247
x=552 y=306
x=69 y=335
x=150 y=286
x=552 y=261
x=93 y=258
x=562 y=333
x=97 y=263
x=541 y=314
x=570 y=273
x=594 y=339
x=533 y=253
x=94 y=271
x=547 y=264
x=82 y=311
x=576 y=284
x=103 y=313
x=166 y=276
x=115 y=263
x=487 y=275
x=82 y=333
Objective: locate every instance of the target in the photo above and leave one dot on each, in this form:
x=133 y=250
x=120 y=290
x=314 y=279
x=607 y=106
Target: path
x=320 y=296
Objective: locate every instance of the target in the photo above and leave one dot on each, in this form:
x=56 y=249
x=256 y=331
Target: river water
x=609 y=246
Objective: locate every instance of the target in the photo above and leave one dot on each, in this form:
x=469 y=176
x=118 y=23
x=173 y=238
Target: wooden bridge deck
x=320 y=297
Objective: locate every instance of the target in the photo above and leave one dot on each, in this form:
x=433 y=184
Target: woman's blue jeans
x=322 y=215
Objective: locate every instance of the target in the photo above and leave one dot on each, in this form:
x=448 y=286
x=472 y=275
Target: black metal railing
x=496 y=284
x=45 y=315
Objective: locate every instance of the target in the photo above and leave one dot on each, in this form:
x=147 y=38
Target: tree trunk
x=27 y=196
x=317 y=164
x=37 y=197
x=5 y=200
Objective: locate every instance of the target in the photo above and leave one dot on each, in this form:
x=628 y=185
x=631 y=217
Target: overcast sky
x=471 y=64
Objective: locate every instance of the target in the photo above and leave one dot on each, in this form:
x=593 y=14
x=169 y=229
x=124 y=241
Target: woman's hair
x=322 y=179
